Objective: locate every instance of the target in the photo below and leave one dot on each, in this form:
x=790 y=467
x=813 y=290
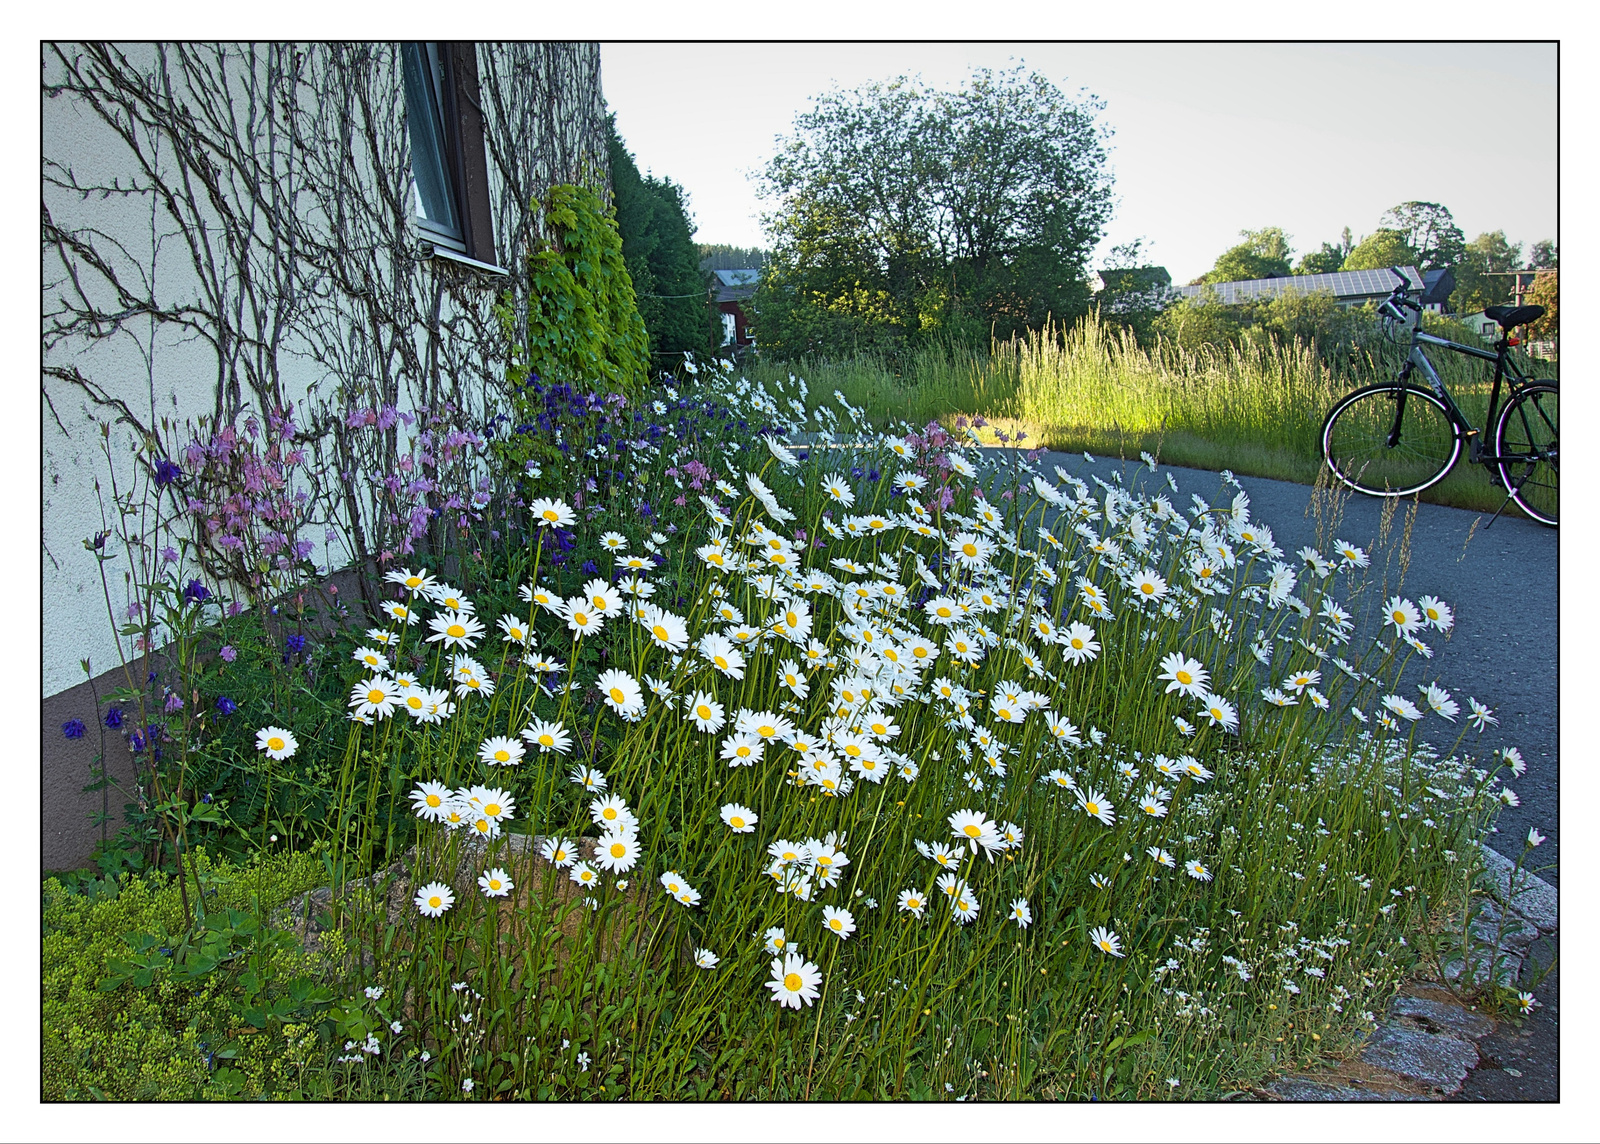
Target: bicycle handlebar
x=1399 y=298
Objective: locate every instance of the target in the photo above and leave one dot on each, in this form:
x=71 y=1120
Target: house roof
x=1343 y=284
x=736 y=285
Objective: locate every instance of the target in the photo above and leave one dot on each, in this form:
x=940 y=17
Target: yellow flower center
x=1092 y=807
x=492 y=810
x=792 y=982
x=703 y=711
x=720 y=662
x=835 y=923
x=502 y=756
x=435 y=901
x=375 y=696
x=609 y=812
x=736 y=822
x=791 y=619
x=1185 y=677
x=547 y=740
x=618 y=850
x=581 y=619
x=971 y=830
x=494 y=883
x=551 y=514
x=1399 y=617
x=617 y=696
x=743 y=751
x=274 y=744
x=660 y=633
x=434 y=800
x=969 y=549
x=414 y=702
x=1147 y=589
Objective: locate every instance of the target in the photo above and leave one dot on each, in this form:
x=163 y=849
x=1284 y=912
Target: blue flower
x=295 y=644
x=226 y=706
x=114 y=718
x=73 y=728
x=166 y=472
x=590 y=568
x=196 y=591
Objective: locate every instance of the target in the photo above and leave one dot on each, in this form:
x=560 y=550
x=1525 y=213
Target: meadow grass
x=1255 y=409
x=1176 y=892
x=900 y=770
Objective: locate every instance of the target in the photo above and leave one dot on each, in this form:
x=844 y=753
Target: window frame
x=454 y=94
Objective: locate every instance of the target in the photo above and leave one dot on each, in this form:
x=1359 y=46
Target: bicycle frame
x=1504 y=370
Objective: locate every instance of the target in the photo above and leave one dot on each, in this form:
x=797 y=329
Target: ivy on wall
x=583 y=327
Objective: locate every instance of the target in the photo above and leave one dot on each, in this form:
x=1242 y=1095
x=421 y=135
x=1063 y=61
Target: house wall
x=227 y=230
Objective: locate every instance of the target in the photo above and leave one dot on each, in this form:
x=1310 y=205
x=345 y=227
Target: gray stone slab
x=1439 y=1062
x=1507 y=966
x=1288 y=1088
x=1527 y=893
x=1508 y=930
x=1442 y=1016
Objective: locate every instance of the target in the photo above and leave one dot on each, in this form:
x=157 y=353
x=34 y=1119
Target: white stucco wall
x=165 y=373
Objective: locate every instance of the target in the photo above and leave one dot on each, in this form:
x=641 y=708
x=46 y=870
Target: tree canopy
x=903 y=212
x=1482 y=275
x=1429 y=231
x=1264 y=253
x=659 y=252
x=1380 y=250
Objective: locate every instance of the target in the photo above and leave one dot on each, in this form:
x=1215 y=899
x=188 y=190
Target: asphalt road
x=1501 y=583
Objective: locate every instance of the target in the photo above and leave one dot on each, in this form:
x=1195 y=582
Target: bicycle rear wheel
x=1525 y=448
x=1389 y=440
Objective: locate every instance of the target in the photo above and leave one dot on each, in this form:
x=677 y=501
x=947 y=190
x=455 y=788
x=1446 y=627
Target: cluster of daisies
x=924 y=622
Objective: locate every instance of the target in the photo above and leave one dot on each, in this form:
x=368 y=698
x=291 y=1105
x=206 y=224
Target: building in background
x=1348 y=287
x=733 y=289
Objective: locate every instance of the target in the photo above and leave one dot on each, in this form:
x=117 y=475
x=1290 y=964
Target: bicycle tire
x=1357 y=434
x=1525 y=451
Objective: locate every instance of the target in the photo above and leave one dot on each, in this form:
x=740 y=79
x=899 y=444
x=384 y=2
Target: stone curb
x=1428 y=1042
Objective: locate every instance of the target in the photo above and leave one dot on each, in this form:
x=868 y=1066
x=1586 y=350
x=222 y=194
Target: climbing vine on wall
x=583 y=326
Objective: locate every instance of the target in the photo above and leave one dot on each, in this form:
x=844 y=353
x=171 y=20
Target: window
x=445 y=122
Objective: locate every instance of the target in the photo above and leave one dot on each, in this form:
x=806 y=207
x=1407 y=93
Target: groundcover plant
x=898 y=774
x=758 y=763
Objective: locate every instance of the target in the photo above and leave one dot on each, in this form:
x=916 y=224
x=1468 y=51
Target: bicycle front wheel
x=1525 y=451
x=1389 y=440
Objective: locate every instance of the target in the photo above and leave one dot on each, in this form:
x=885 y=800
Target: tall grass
x=1256 y=408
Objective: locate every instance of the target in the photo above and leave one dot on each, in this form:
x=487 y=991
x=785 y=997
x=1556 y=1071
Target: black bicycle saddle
x=1511 y=317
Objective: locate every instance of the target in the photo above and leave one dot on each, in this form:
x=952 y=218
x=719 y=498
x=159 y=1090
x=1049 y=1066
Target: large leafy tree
x=1481 y=274
x=659 y=251
x=903 y=213
x=1380 y=250
x=1429 y=230
x=1264 y=253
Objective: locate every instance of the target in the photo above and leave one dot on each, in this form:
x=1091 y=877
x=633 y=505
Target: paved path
x=1501 y=584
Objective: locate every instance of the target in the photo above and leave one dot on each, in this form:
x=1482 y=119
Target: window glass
x=424 y=80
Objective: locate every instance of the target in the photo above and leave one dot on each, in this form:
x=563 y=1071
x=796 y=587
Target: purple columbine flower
x=174 y=704
x=114 y=717
x=229 y=653
x=226 y=706
x=73 y=728
x=295 y=644
x=590 y=568
x=196 y=591
x=166 y=472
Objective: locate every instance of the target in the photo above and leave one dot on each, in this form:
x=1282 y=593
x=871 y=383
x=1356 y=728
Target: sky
x=1209 y=139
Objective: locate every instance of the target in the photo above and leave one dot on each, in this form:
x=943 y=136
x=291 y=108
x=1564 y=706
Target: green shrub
x=163 y=1041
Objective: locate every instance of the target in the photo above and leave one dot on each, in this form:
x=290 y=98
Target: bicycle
x=1399 y=437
